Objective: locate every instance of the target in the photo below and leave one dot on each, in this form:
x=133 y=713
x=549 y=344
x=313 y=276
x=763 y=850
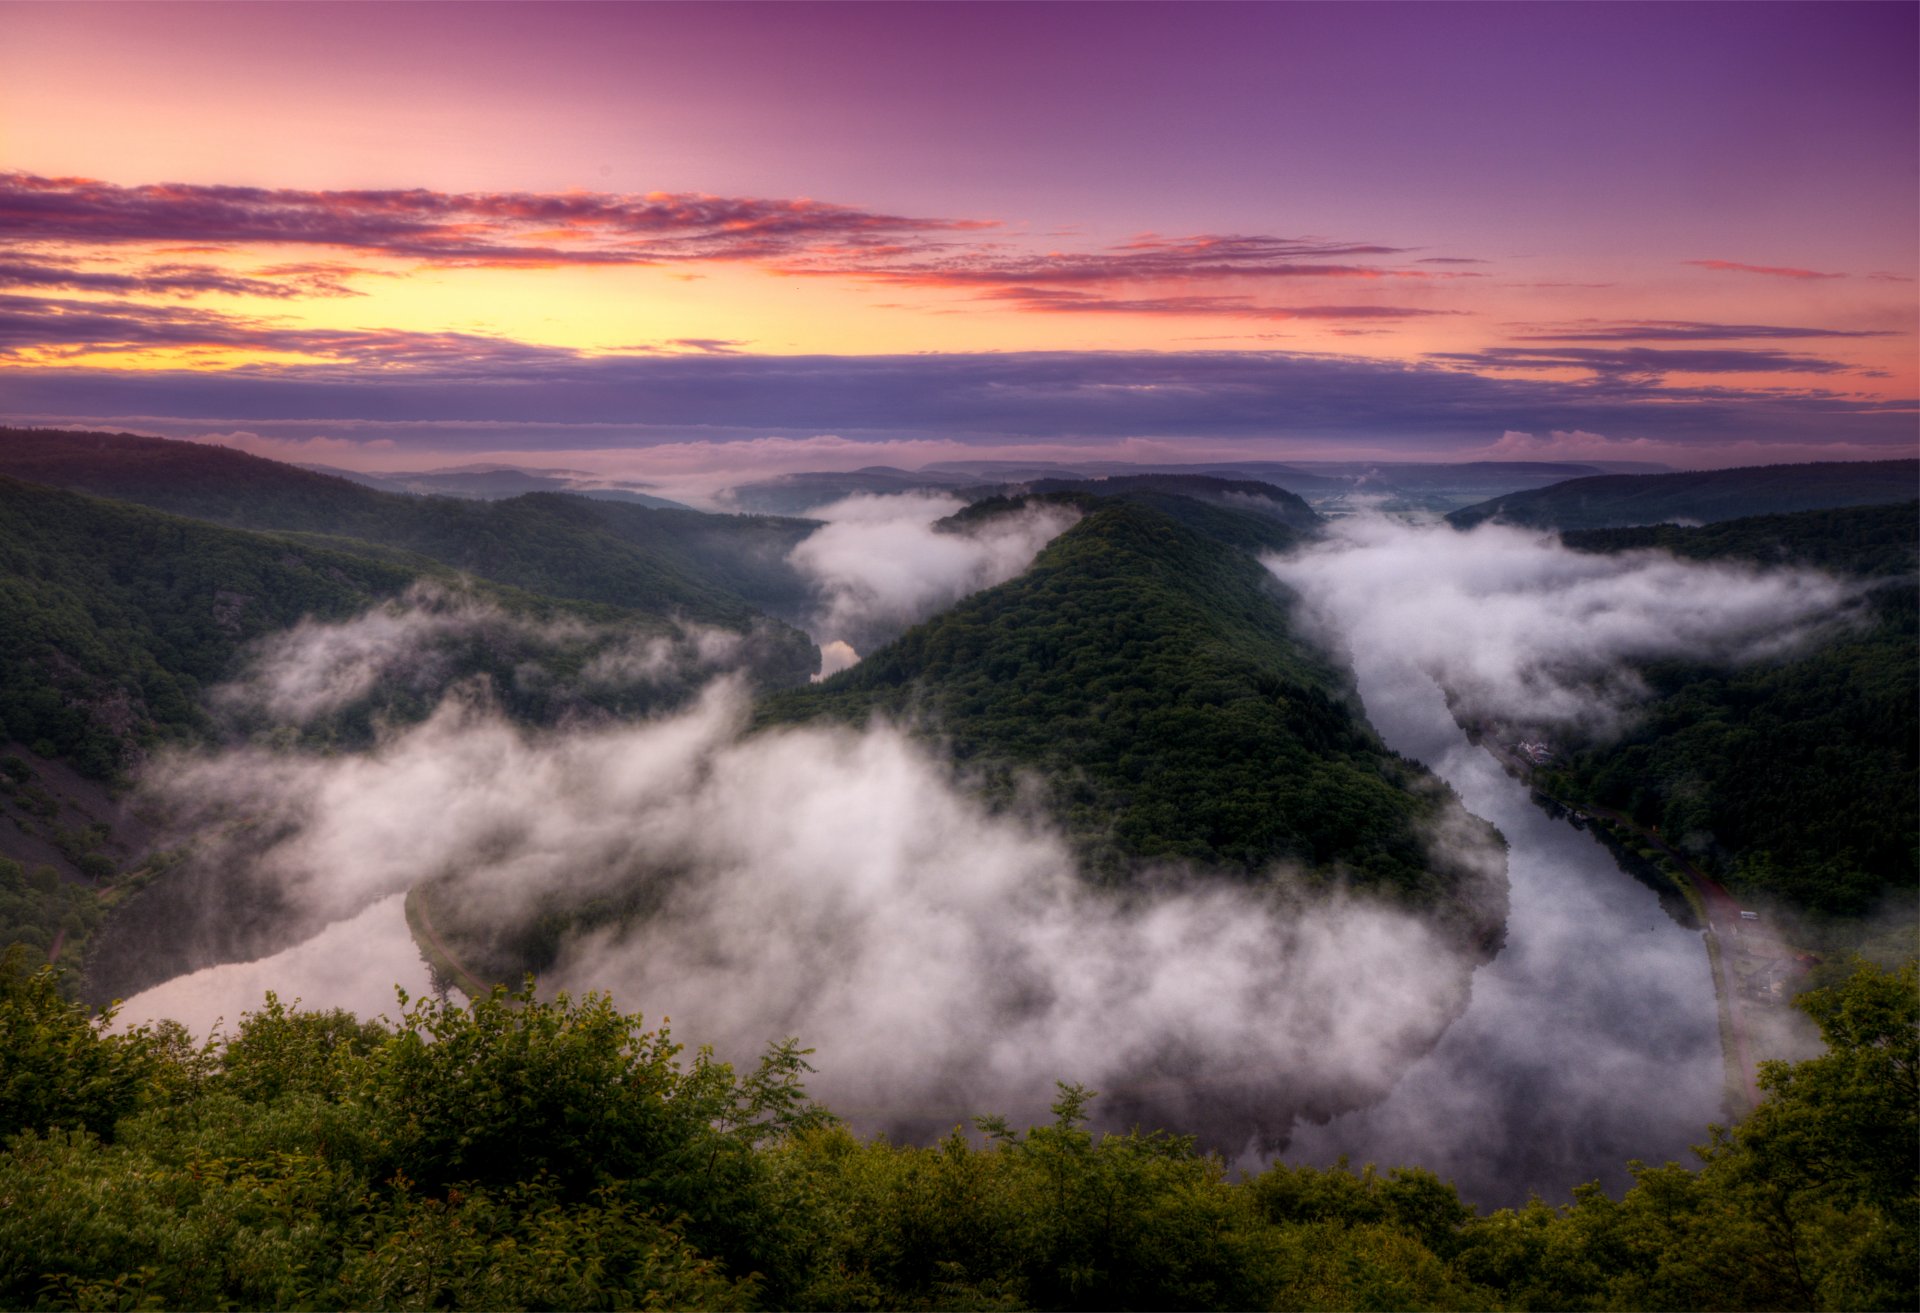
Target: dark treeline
x=516 y=1153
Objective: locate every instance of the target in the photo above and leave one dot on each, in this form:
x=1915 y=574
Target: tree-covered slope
x=1151 y=677
x=711 y=568
x=1794 y=778
x=115 y=618
x=1700 y=496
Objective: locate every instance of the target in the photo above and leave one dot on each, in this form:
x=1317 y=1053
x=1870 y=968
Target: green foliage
x=37 y=907
x=1155 y=682
x=315 y=1161
x=716 y=569
x=113 y=618
x=1795 y=777
x=1699 y=496
x=60 y=1067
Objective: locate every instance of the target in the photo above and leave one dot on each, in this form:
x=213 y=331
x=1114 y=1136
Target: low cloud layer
x=1592 y=1038
x=1520 y=629
x=844 y=887
x=421 y=642
x=879 y=565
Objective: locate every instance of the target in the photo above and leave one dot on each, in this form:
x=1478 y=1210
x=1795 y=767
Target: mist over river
x=1591 y=1039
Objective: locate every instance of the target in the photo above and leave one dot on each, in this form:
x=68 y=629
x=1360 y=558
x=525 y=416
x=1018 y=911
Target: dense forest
x=114 y=619
x=716 y=569
x=1152 y=678
x=117 y=622
x=519 y=1152
x=1794 y=778
x=1699 y=496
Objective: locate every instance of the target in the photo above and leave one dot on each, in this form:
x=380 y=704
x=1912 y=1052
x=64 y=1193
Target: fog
x=878 y=565
x=842 y=886
x=422 y=642
x=1517 y=628
x=1593 y=1037
x=845 y=885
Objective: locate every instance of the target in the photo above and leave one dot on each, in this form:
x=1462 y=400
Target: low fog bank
x=838 y=885
x=420 y=643
x=1518 y=628
x=1593 y=1037
x=879 y=566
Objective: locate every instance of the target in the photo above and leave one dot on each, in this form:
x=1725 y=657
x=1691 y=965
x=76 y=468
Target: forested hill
x=1244 y=495
x=116 y=618
x=1699 y=496
x=1152 y=678
x=1793 y=778
x=717 y=569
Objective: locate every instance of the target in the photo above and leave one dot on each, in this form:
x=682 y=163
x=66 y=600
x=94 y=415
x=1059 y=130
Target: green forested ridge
x=1245 y=495
x=1699 y=496
x=1797 y=777
x=115 y=621
x=516 y=1153
x=715 y=569
x=1153 y=680
x=114 y=618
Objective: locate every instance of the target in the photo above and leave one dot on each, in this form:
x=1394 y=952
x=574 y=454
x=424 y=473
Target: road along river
x=1591 y=1039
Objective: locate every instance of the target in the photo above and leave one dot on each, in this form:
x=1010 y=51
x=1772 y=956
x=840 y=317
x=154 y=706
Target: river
x=1591 y=1039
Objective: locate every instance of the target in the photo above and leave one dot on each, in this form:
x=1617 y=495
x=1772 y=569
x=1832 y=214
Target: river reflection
x=1591 y=1039
x=352 y=964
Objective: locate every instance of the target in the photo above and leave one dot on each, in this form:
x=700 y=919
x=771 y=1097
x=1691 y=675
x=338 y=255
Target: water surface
x=1591 y=1039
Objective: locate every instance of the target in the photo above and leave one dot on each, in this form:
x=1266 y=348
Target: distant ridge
x=1615 y=501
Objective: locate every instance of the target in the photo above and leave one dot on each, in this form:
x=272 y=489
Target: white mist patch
x=318 y=667
x=838 y=885
x=878 y=565
x=836 y=656
x=1518 y=627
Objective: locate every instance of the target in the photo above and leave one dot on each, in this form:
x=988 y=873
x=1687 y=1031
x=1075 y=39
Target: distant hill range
x=1699 y=496
x=1330 y=487
x=493 y=482
x=1233 y=494
x=717 y=569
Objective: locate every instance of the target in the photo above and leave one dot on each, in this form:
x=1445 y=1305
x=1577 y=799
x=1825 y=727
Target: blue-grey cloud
x=514 y=396
x=1645 y=362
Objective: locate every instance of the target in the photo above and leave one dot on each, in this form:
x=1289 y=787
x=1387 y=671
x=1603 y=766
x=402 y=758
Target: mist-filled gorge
x=1160 y=835
x=944 y=958
x=1091 y=656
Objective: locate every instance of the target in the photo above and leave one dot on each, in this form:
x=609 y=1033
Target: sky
x=648 y=239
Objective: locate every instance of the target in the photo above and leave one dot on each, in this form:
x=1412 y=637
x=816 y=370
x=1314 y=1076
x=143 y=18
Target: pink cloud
x=1772 y=271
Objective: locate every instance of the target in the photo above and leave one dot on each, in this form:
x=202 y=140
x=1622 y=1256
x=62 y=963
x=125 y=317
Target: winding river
x=1590 y=1040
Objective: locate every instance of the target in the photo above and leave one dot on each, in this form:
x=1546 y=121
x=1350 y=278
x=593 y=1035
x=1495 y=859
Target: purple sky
x=631 y=234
